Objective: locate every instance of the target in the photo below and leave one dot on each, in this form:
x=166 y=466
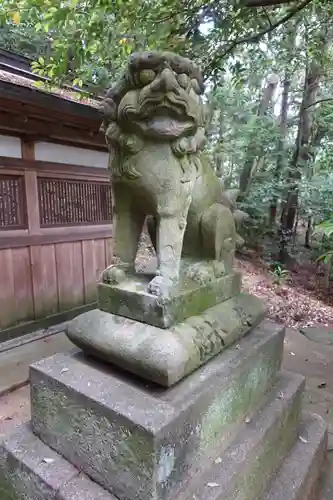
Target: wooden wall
x=48 y=270
x=41 y=280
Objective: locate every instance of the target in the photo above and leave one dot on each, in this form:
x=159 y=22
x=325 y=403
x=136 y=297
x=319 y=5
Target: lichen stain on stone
x=114 y=448
x=7 y=491
x=20 y=485
x=231 y=406
x=166 y=463
x=215 y=418
x=135 y=454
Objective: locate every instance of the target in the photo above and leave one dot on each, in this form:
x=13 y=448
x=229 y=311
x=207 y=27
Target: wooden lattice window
x=13 y=213
x=65 y=202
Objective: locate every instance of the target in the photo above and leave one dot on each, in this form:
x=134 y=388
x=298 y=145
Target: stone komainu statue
x=155 y=121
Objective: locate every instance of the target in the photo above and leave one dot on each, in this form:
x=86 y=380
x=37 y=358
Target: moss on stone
x=7 y=491
x=241 y=396
x=132 y=301
x=268 y=460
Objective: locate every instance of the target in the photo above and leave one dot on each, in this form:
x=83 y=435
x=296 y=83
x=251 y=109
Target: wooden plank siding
x=46 y=271
x=42 y=280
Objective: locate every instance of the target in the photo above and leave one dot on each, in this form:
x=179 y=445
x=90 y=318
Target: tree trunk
x=254 y=157
x=301 y=156
x=308 y=233
x=280 y=163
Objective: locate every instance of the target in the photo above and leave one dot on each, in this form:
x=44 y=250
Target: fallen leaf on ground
x=302 y=439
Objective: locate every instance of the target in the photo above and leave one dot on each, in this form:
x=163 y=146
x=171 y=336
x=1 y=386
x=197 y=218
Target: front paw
x=115 y=274
x=161 y=286
x=219 y=268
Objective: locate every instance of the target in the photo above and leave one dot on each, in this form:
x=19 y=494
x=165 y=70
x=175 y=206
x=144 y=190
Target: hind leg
x=219 y=237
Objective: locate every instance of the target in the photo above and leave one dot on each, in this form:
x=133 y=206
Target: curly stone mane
x=139 y=79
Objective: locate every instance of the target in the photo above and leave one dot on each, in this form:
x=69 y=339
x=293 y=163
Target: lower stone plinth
x=165 y=356
x=257 y=452
x=299 y=476
x=30 y=470
x=140 y=441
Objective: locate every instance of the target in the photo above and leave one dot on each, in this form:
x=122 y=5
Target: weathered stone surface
x=83 y=488
x=30 y=470
x=300 y=472
x=166 y=356
x=139 y=441
x=155 y=122
x=257 y=452
x=131 y=299
x=320 y=334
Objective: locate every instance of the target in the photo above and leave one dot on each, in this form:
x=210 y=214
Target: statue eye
x=146 y=76
x=183 y=80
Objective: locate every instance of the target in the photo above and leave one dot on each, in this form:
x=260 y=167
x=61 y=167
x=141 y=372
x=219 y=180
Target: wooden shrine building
x=55 y=202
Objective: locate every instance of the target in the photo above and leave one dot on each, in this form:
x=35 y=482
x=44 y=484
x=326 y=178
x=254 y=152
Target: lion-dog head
x=157 y=99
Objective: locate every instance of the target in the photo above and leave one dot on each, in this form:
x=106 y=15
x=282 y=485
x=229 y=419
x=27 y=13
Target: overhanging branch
x=327 y=99
x=265 y=3
x=258 y=36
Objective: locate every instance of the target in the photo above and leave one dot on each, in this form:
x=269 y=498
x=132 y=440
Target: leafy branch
x=265 y=3
x=257 y=36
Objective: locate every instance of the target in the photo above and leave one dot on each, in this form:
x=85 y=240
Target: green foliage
x=279 y=274
x=325 y=227
x=81 y=42
x=89 y=37
x=23 y=39
x=326 y=257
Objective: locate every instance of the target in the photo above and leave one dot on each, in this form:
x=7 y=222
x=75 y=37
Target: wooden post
x=31 y=190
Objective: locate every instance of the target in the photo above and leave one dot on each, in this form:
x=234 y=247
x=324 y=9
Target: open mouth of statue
x=166 y=121
x=167 y=126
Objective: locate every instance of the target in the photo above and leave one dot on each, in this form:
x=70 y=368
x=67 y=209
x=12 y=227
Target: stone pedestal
x=233 y=429
x=196 y=408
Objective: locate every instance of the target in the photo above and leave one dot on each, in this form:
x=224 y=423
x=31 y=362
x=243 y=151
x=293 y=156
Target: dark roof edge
x=9 y=57
x=46 y=100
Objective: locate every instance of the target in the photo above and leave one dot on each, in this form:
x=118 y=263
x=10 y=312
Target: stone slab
x=131 y=299
x=14 y=363
x=136 y=439
x=298 y=478
x=243 y=472
x=166 y=356
x=83 y=488
x=319 y=334
x=30 y=470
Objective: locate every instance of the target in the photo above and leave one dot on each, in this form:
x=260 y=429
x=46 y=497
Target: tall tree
x=302 y=150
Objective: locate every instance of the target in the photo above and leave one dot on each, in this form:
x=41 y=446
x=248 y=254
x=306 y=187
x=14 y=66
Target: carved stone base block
x=140 y=441
x=131 y=299
x=165 y=356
